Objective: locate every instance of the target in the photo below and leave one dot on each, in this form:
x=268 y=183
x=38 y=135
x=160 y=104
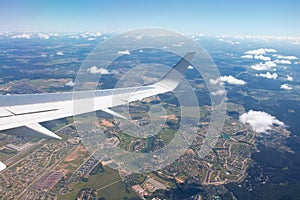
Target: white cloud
x=261 y=57
x=270 y=50
x=190 y=67
x=218 y=92
x=178 y=45
x=248 y=56
x=289 y=78
x=260 y=121
x=138 y=37
x=60 y=53
x=125 y=52
x=284 y=62
x=43 y=55
x=286 y=87
x=23 y=36
x=215 y=82
x=95 y=70
x=233 y=42
x=43 y=36
x=232 y=80
x=84 y=36
x=97 y=34
x=268 y=75
x=264 y=66
x=74 y=37
x=228 y=79
x=91 y=39
x=70 y=83
x=285 y=57
x=260 y=51
x=54 y=34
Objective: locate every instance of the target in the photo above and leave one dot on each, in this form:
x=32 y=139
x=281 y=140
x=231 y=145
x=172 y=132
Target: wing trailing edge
x=33 y=130
x=113 y=113
x=2 y=166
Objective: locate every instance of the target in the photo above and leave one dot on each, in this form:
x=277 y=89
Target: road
x=19 y=154
x=24 y=151
x=108 y=185
x=47 y=170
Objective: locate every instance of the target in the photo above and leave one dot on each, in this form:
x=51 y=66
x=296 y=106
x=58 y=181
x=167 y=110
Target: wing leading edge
x=23 y=120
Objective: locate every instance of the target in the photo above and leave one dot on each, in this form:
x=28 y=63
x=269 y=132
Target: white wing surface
x=21 y=114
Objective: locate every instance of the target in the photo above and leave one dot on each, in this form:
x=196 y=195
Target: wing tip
x=189 y=56
x=172 y=79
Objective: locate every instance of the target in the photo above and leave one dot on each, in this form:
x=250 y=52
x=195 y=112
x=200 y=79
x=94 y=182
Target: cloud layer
x=260 y=121
x=260 y=54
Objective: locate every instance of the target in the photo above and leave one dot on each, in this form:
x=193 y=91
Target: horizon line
x=198 y=34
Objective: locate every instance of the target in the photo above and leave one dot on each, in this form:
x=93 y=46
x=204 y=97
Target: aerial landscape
x=98 y=154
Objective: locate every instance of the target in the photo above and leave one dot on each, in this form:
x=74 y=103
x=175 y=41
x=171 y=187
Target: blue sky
x=255 y=17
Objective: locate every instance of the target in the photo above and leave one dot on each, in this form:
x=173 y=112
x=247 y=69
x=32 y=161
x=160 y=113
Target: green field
x=6 y=153
x=108 y=184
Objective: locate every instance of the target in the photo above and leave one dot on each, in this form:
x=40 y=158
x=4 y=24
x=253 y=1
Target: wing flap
x=32 y=108
x=5 y=113
x=2 y=166
x=113 y=113
x=34 y=130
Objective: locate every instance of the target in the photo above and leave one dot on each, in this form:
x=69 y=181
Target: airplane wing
x=21 y=114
